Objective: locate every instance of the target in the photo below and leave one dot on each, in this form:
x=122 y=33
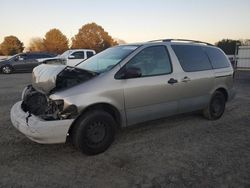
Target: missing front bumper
x=37 y=129
x=43 y=107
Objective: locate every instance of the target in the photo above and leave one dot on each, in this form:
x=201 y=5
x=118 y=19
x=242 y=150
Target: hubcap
x=6 y=69
x=96 y=132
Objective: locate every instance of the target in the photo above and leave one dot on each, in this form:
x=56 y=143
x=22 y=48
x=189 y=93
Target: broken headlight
x=59 y=104
x=69 y=112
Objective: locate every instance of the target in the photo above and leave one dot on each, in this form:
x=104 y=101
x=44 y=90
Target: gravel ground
x=180 y=151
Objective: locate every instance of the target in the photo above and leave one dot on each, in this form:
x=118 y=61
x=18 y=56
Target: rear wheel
x=7 y=69
x=94 y=132
x=216 y=106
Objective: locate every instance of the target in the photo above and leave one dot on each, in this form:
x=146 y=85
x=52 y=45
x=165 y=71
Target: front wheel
x=7 y=69
x=94 y=132
x=216 y=106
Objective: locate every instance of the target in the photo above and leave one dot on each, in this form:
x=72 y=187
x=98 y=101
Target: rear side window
x=29 y=56
x=217 y=58
x=33 y=56
x=192 y=58
x=44 y=55
x=37 y=56
x=89 y=54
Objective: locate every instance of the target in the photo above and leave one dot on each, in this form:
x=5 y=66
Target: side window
x=42 y=56
x=89 y=54
x=78 y=55
x=192 y=58
x=152 y=61
x=21 y=57
x=217 y=58
x=32 y=56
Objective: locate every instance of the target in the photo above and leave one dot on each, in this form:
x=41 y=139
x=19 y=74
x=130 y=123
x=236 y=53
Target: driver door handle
x=172 y=81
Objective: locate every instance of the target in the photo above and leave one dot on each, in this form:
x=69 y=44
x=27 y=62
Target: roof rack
x=184 y=40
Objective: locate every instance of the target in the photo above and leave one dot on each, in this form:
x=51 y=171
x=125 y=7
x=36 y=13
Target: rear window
x=217 y=58
x=192 y=58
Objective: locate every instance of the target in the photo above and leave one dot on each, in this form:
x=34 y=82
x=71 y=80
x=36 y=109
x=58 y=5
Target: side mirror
x=129 y=72
x=71 y=57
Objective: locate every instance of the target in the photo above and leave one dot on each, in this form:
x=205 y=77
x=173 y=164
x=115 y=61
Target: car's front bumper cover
x=37 y=129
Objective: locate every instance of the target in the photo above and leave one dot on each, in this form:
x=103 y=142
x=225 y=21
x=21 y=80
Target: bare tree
x=36 y=45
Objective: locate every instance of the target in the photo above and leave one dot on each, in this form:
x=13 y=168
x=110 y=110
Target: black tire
x=93 y=132
x=7 y=69
x=216 y=106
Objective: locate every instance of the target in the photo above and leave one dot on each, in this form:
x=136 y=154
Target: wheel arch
x=112 y=110
x=223 y=91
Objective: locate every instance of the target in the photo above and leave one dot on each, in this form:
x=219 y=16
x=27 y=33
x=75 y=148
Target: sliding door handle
x=186 y=79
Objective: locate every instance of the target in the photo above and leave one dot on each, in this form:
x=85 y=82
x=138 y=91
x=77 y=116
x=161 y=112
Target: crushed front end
x=39 y=104
x=37 y=129
x=40 y=118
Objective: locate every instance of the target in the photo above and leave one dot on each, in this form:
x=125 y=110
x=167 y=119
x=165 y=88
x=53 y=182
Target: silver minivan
x=122 y=86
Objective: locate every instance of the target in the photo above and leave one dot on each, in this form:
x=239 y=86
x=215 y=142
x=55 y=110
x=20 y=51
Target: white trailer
x=243 y=57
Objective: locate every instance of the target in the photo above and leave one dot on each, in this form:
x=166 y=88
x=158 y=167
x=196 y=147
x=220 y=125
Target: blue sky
x=130 y=20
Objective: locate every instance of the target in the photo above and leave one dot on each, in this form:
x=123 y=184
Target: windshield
x=12 y=57
x=107 y=59
x=65 y=54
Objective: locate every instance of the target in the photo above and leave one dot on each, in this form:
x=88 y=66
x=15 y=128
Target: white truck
x=71 y=57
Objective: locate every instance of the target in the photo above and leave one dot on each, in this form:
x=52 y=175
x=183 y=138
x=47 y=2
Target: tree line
x=89 y=36
x=229 y=46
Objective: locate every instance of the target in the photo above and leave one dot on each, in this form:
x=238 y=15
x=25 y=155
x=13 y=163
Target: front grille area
x=38 y=104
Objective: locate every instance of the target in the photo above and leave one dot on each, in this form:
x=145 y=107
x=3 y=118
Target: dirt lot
x=181 y=151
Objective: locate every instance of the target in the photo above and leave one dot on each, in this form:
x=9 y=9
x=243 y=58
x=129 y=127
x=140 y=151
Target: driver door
x=19 y=62
x=151 y=95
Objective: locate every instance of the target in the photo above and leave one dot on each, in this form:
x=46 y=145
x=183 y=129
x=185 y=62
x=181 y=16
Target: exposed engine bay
x=38 y=104
x=46 y=80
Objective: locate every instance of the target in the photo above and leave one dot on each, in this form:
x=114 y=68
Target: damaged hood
x=48 y=77
x=44 y=77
